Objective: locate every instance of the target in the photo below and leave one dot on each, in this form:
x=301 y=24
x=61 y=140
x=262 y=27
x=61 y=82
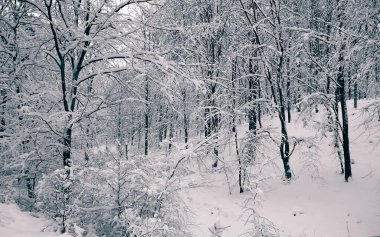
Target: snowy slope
x=317 y=203
x=15 y=223
x=328 y=205
x=213 y=208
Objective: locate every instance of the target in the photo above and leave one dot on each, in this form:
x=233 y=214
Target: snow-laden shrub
x=370 y=115
x=116 y=196
x=255 y=154
x=55 y=197
x=21 y=170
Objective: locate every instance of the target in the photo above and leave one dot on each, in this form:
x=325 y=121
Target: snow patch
x=15 y=223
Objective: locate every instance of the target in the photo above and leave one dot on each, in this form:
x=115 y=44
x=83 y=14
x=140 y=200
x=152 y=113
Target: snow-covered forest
x=189 y=118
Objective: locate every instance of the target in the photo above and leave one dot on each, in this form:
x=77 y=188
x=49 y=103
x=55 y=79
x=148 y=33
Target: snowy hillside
x=190 y=118
x=15 y=223
x=317 y=202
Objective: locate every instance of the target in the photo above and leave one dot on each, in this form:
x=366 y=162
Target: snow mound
x=15 y=223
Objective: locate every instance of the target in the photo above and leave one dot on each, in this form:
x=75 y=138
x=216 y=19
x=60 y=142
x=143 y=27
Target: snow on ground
x=215 y=210
x=330 y=206
x=316 y=204
x=15 y=223
x=313 y=204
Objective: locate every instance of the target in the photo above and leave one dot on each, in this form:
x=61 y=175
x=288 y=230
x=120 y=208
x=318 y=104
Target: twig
x=370 y=173
x=348 y=230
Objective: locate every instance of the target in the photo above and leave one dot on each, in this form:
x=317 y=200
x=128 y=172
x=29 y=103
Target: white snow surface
x=316 y=203
x=15 y=223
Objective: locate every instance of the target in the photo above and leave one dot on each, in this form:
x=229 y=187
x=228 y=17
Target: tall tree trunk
x=67 y=140
x=342 y=94
x=185 y=119
x=337 y=139
x=171 y=135
x=146 y=116
x=346 y=143
x=160 y=125
x=288 y=93
x=186 y=127
x=356 y=95
x=207 y=122
x=284 y=146
x=298 y=100
x=252 y=116
x=234 y=130
x=213 y=49
x=349 y=87
x=3 y=101
x=259 y=106
x=214 y=124
x=119 y=125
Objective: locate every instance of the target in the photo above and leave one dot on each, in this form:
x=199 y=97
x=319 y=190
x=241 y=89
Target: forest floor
x=15 y=223
x=316 y=203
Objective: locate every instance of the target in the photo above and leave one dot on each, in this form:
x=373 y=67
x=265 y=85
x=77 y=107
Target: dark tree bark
x=185 y=118
x=160 y=125
x=346 y=142
x=328 y=25
x=356 y=95
x=213 y=52
x=298 y=100
x=284 y=146
x=349 y=87
x=3 y=102
x=146 y=117
x=337 y=129
x=171 y=135
x=259 y=106
x=275 y=85
x=288 y=99
x=234 y=130
x=342 y=95
x=252 y=116
x=126 y=151
x=119 y=125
